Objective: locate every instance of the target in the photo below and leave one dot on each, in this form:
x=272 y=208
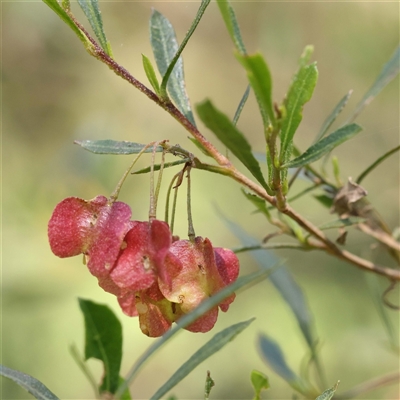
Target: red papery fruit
x=195 y=275
x=141 y=261
x=156 y=313
x=94 y=227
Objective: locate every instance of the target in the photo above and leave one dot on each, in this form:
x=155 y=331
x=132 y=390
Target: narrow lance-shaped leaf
x=283 y=282
x=189 y=318
x=329 y=393
x=325 y=145
x=150 y=73
x=332 y=116
x=115 y=147
x=216 y=343
x=231 y=137
x=165 y=47
x=103 y=340
x=240 y=107
x=273 y=355
x=388 y=73
x=258 y=202
x=55 y=6
x=93 y=14
x=260 y=80
x=300 y=92
x=200 y=146
x=29 y=383
x=342 y=222
x=204 y=4
x=228 y=14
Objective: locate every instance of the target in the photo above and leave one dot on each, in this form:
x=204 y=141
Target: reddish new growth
x=153 y=277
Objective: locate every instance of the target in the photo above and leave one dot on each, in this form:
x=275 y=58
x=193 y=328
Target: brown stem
x=101 y=55
x=370 y=385
x=325 y=243
x=231 y=171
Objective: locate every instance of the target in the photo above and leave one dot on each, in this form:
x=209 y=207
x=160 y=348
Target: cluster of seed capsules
x=153 y=274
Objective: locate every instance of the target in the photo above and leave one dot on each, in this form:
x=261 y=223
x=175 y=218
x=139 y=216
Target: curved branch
x=227 y=168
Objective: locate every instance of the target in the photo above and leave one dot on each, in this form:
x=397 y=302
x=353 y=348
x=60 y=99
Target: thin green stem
x=158 y=187
x=272 y=246
x=376 y=163
x=191 y=232
x=84 y=368
x=179 y=181
x=115 y=193
x=153 y=199
x=241 y=105
x=169 y=196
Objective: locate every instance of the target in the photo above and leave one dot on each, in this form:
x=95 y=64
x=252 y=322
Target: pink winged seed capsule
x=95 y=228
x=196 y=275
x=155 y=276
x=141 y=262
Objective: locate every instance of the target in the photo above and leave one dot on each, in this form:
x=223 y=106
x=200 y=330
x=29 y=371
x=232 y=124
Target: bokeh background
x=54 y=93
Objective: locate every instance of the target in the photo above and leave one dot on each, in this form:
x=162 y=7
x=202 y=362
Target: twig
x=227 y=168
x=370 y=385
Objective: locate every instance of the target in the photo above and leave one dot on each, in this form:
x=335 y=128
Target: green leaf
x=191 y=317
x=165 y=47
x=325 y=145
x=126 y=395
x=241 y=105
x=115 y=147
x=260 y=79
x=157 y=167
x=306 y=56
x=103 y=340
x=300 y=92
x=376 y=163
x=150 y=73
x=93 y=14
x=55 y=6
x=342 y=222
x=295 y=228
x=283 y=282
x=388 y=73
x=325 y=200
x=272 y=353
x=332 y=116
x=204 y=4
x=32 y=385
x=328 y=394
x=84 y=368
x=208 y=386
x=259 y=382
x=200 y=146
x=216 y=343
x=258 y=202
x=228 y=14
x=231 y=137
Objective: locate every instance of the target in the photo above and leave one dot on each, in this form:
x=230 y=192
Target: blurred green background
x=54 y=93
